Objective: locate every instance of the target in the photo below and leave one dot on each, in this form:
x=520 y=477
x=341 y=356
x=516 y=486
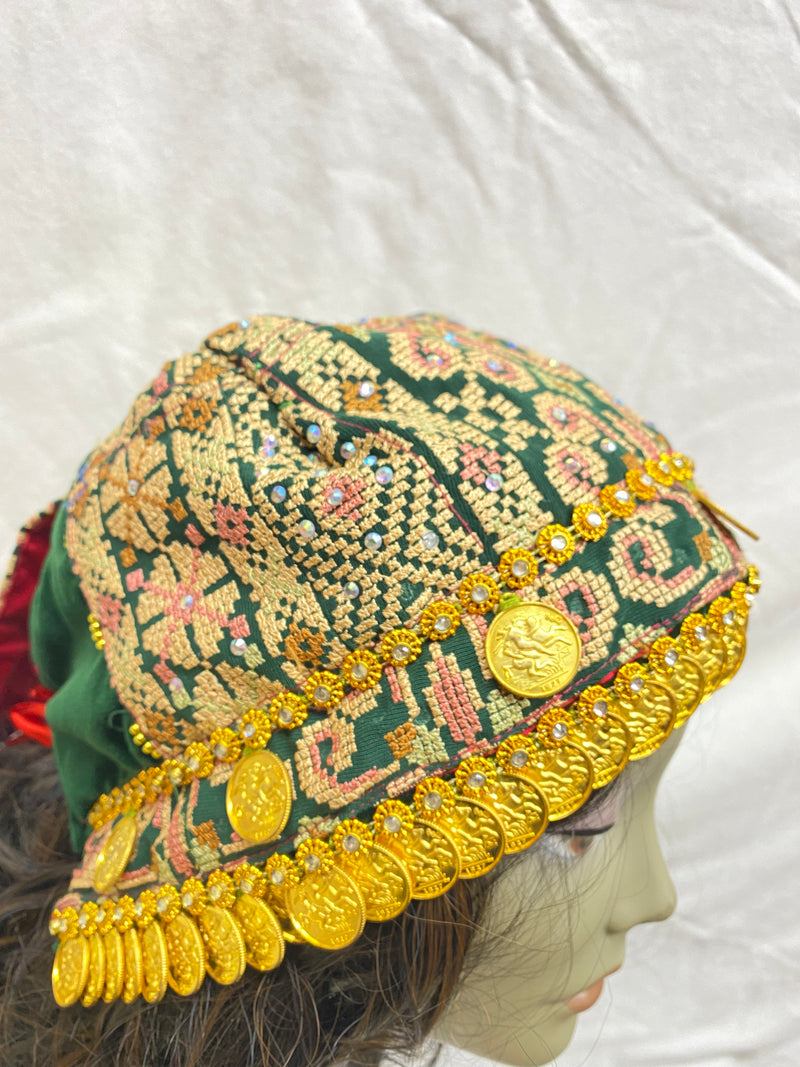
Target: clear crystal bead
x=670 y=657
x=400 y=652
x=306 y=529
x=646 y=479
x=246 y=885
x=600 y=709
x=335 y=497
x=370 y=460
x=322 y=694
x=572 y=465
x=359 y=672
x=637 y=684
x=518 y=758
x=83 y=918
x=442 y=624
x=238 y=646
x=493 y=365
x=622 y=495
x=384 y=475
x=728 y=618
x=594 y=518
x=366 y=389
x=476 y=780
x=313 y=433
x=277 y=877
x=494 y=482
x=187 y=899
x=193 y=763
x=351 y=590
x=700 y=633
x=429 y=539
x=433 y=801
x=558 y=543
x=350 y=843
x=559 y=414
x=278 y=494
x=312 y=862
x=479 y=594
x=214 y=892
x=133 y=487
x=373 y=541
x=520 y=568
x=560 y=731
x=220 y=751
x=608 y=445
x=248 y=730
x=664 y=466
x=347 y=450
x=286 y=715
x=161 y=906
x=187 y=601
x=392 y=824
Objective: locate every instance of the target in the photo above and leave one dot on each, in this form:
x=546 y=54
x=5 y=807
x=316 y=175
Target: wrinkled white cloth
x=614 y=184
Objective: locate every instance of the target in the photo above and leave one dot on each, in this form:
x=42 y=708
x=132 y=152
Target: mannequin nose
x=646 y=892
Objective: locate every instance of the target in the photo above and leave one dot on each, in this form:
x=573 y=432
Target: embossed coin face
x=132 y=948
x=383 y=880
x=650 y=717
x=186 y=955
x=607 y=742
x=96 y=982
x=154 y=962
x=116 y=852
x=70 y=970
x=259 y=796
x=432 y=860
x=688 y=683
x=735 y=641
x=115 y=965
x=263 y=939
x=327 y=908
x=532 y=649
x=224 y=944
x=712 y=656
x=478 y=835
x=565 y=776
x=521 y=807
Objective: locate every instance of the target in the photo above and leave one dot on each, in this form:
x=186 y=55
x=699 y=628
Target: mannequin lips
x=587 y=997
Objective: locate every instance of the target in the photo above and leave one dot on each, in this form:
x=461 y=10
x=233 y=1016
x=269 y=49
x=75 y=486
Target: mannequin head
x=556 y=922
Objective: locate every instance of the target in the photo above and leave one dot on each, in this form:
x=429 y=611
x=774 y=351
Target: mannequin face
x=556 y=925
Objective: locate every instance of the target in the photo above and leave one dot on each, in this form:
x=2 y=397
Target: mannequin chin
x=556 y=925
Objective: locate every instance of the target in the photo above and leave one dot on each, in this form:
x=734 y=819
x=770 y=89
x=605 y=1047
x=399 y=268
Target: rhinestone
x=133 y=487
x=665 y=467
x=187 y=601
x=176 y=776
x=494 y=482
x=175 y=683
x=276 y=877
x=608 y=445
x=646 y=479
x=600 y=709
x=442 y=624
x=594 y=518
x=518 y=758
x=560 y=731
x=335 y=497
x=700 y=633
x=306 y=529
x=348 y=450
x=749 y=597
x=278 y=494
x=670 y=657
x=622 y=495
x=238 y=646
x=215 y=891
x=54 y=926
x=480 y=594
x=270 y=446
x=392 y=824
x=350 y=843
x=383 y=475
x=322 y=694
x=83 y=919
x=246 y=886
x=373 y=541
x=244 y=323
x=313 y=433
x=312 y=862
x=187 y=900
x=400 y=652
x=220 y=750
x=493 y=364
x=435 y=360
x=520 y=568
x=677 y=461
x=637 y=684
x=351 y=590
x=450 y=338
x=359 y=672
x=476 y=780
x=193 y=763
x=572 y=464
x=727 y=618
x=366 y=389
x=248 y=729
x=433 y=801
x=117 y=916
x=429 y=539
x=285 y=714
x=370 y=460
x=559 y=414
x=559 y=543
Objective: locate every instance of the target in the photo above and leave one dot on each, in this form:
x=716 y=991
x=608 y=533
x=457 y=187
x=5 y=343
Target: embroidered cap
x=370 y=606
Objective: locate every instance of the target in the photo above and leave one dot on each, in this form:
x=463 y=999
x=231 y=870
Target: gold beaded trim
x=499 y=791
x=478 y=593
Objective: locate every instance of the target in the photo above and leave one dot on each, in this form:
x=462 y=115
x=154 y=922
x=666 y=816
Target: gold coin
x=432 y=859
x=132 y=982
x=520 y=806
x=154 y=962
x=70 y=970
x=650 y=716
x=735 y=640
x=326 y=908
x=115 y=965
x=532 y=649
x=263 y=938
x=186 y=955
x=114 y=856
x=688 y=683
x=382 y=878
x=712 y=656
x=259 y=797
x=478 y=835
x=224 y=944
x=96 y=982
x=564 y=774
x=607 y=742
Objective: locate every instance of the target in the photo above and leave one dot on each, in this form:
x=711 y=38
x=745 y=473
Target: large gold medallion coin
x=186 y=955
x=154 y=962
x=478 y=835
x=607 y=742
x=383 y=880
x=327 y=908
x=564 y=774
x=259 y=796
x=521 y=807
x=96 y=982
x=224 y=944
x=432 y=859
x=114 y=856
x=115 y=965
x=70 y=970
x=263 y=938
x=132 y=982
x=532 y=649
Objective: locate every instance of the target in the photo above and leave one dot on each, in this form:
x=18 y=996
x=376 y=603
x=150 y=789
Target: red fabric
x=19 y=686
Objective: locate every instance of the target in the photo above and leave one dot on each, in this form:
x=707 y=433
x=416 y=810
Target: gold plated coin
x=382 y=878
x=478 y=835
x=263 y=938
x=259 y=796
x=712 y=656
x=114 y=856
x=186 y=955
x=327 y=908
x=96 y=982
x=520 y=806
x=734 y=638
x=132 y=982
x=115 y=965
x=564 y=774
x=70 y=970
x=532 y=649
x=154 y=962
x=650 y=716
x=432 y=859
x=224 y=944
x=607 y=742
x=688 y=683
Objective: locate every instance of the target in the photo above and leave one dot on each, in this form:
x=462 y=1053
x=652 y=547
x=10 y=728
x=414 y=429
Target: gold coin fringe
x=477 y=593
x=174 y=936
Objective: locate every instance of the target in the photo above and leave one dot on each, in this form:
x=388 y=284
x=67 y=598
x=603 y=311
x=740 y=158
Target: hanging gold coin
x=115 y=854
x=154 y=962
x=564 y=774
x=520 y=806
x=263 y=937
x=649 y=715
x=70 y=970
x=115 y=965
x=382 y=878
x=432 y=859
x=532 y=649
x=688 y=682
x=326 y=908
x=224 y=944
x=734 y=638
x=259 y=796
x=478 y=835
x=186 y=955
x=132 y=982
x=607 y=742
x=96 y=981
x=712 y=656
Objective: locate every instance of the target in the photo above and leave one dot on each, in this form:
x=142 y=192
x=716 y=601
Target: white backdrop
x=612 y=183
